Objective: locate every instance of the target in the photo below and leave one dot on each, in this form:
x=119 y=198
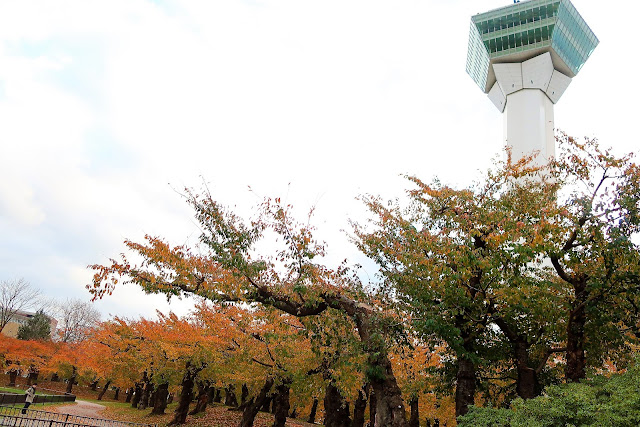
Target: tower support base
x=528 y=125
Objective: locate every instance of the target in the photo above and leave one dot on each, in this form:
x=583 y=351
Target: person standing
x=31 y=394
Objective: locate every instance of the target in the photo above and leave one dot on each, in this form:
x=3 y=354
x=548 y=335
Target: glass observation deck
x=523 y=30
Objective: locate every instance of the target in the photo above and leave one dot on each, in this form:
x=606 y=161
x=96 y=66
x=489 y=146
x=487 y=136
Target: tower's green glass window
x=533 y=25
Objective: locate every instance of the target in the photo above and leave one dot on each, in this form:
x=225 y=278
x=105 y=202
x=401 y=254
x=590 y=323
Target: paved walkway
x=82 y=409
x=81 y=413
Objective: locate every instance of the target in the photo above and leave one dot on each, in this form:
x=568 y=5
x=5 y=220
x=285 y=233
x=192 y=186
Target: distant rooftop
x=22 y=317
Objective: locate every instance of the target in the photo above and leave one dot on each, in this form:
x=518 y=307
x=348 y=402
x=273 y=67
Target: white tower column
x=528 y=125
x=525 y=92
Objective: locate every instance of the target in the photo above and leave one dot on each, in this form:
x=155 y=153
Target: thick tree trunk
x=576 y=361
x=574 y=370
x=336 y=408
x=414 y=420
x=211 y=392
x=32 y=378
x=373 y=404
x=94 y=385
x=230 y=396
x=360 y=407
x=244 y=394
x=150 y=391
x=116 y=394
x=137 y=395
x=130 y=391
x=143 y=396
x=218 y=396
x=186 y=395
x=254 y=404
x=13 y=376
x=266 y=404
x=104 y=389
x=527 y=386
x=389 y=405
x=72 y=379
x=314 y=410
x=243 y=405
x=202 y=400
x=465 y=385
x=146 y=395
x=160 y=401
x=281 y=403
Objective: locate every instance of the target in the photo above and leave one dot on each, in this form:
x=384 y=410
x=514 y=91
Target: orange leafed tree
x=26 y=356
x=228 y=267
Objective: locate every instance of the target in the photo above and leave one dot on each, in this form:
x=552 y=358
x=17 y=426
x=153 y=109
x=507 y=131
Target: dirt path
x=82 y=409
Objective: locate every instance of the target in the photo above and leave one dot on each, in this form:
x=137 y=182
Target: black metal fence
x=13 y=417
x=9 y=399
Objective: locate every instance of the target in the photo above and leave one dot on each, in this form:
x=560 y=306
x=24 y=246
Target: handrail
x=13 y=417
x=42 y=390
x=9 y=399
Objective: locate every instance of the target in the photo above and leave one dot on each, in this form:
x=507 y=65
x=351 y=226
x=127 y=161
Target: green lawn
x=17 y=390
x=21 y=391
x=11 y=390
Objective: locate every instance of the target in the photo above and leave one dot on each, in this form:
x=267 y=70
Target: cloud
x=18 y=205
x=109 y=109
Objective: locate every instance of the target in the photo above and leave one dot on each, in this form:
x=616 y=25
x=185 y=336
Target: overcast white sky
x=108 y=107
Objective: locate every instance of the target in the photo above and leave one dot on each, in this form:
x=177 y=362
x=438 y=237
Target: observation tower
x=523 y=56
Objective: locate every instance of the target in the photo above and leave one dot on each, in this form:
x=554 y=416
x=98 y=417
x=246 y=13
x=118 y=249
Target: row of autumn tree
x=256 y=359
x=527 y=278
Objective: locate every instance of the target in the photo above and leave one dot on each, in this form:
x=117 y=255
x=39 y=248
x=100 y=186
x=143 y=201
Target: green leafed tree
x=459 y=261
x=37 y=327
x=541 y=260
x=589 y=240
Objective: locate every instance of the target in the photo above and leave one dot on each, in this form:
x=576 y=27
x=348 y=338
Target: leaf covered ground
x=215 y=416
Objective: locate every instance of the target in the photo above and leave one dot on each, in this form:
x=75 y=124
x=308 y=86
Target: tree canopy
x=530 y=261
x=525 y=279
x=37 y=327
x=229 y=267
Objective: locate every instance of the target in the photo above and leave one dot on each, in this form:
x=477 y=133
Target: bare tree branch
x=15 y=295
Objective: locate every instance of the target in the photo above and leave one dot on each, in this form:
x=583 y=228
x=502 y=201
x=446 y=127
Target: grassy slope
x=15 y=390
